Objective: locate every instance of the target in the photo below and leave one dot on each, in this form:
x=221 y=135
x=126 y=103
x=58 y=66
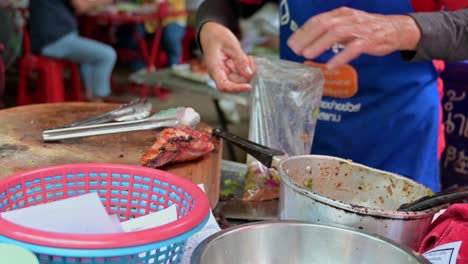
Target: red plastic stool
x=50 y=87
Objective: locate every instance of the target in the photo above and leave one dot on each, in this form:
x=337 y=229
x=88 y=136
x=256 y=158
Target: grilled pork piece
x=178 y=144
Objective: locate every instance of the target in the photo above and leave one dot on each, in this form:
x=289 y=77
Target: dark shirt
x=444 y=35
x=224 y=12
x=49 y=21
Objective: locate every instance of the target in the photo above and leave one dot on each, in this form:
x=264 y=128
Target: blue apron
x=394 y=119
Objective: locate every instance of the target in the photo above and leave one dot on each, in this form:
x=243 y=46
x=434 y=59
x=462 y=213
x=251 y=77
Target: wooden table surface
x=22 y=148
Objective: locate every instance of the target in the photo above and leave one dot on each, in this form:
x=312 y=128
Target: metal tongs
x=134 y=110
x=166 y=118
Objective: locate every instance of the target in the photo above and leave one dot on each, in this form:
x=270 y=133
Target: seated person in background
x=54 y=33
x=171 y=39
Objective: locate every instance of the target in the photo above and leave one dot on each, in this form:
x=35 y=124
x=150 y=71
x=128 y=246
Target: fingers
x=240 y=59
x=230 y=78
x=315 y=27
x=326 y=41
x=252 y=63
x=228 y=81
x=231 y=65
x=227 y=77
x=351 y=51
x=237 y=72
x=233 y=75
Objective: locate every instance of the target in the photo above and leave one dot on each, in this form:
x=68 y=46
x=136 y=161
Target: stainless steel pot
x=329 y=190
x=345 y=193
x=299 y=243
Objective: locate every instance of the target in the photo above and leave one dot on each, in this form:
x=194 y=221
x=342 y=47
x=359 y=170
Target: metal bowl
x=299 y=242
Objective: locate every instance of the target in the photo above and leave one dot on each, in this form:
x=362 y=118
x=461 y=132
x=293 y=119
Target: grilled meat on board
x=178 y=144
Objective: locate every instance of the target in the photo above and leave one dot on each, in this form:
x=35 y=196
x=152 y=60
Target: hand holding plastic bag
x=285 y=102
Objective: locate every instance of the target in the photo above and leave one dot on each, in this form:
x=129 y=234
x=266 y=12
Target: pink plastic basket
x=128 y=191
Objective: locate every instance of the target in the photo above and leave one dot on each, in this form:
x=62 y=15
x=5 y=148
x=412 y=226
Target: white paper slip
x=84 y=214
x=444 y=254
x=116 y=221
x=209 y=229
x=152 y=220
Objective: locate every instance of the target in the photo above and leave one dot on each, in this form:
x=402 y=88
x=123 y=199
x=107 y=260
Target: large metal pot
x=299 y=243
x=323 y=189
x=329 y=190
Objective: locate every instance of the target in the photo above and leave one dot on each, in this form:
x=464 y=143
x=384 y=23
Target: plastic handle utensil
x=267 y=156
x=438 y=199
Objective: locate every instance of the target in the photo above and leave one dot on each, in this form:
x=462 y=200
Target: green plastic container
x=17 y=255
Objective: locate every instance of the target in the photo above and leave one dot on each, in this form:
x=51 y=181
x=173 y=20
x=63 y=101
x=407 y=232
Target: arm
x=223 y=12
x=226 y=13
x=227 y=63
x=444 y=35
x=83 y=6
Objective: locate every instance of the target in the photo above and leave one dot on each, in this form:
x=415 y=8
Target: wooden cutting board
x=22 y=148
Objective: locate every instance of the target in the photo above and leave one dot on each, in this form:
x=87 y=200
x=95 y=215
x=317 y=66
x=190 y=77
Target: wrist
x=408 y=32
x=208 y=29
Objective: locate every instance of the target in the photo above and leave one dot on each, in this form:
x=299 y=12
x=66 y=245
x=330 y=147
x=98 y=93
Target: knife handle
x=263 y=154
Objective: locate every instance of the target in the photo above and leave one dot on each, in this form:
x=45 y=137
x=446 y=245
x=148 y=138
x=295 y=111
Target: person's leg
x=137 y=64
x=126 y=39
x=98 y=58
x=171 y=41
x=86 y=70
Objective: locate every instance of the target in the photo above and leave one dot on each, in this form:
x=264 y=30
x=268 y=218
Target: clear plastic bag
x=285 y=102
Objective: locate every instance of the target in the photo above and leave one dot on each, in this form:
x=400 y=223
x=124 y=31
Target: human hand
x=227 y=63
x=358 y=31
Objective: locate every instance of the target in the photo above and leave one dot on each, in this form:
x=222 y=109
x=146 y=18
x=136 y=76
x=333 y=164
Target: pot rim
x=201 y=248
x=363 y=210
